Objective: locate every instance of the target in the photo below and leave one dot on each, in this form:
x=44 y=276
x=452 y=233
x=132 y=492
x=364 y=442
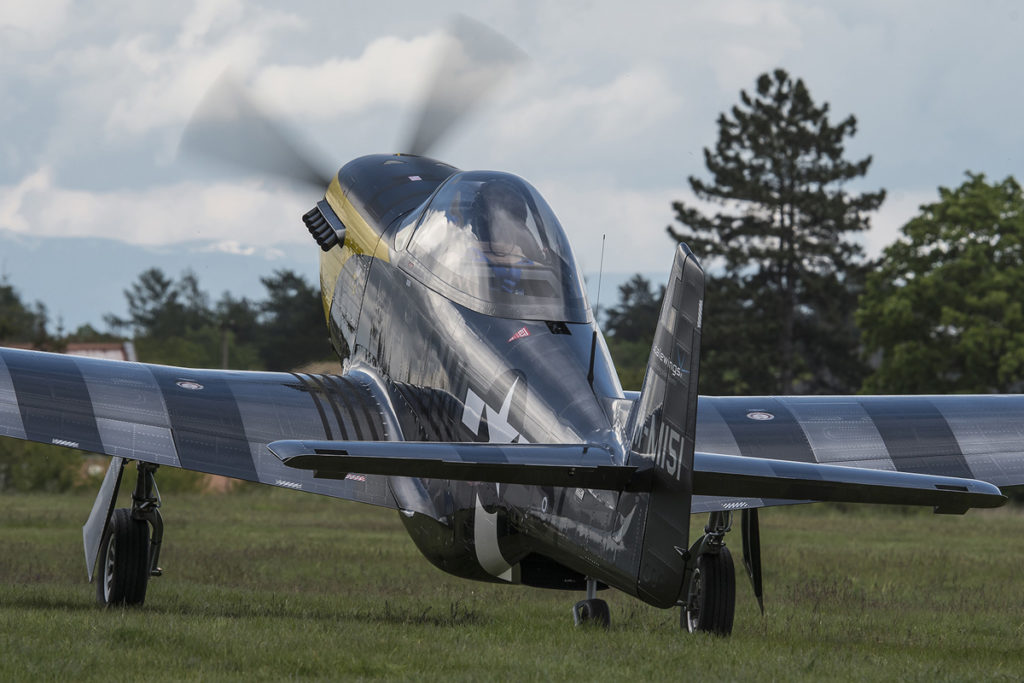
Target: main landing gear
x=708 y=596
x=593 y=610
x=709 y=591
x=130 y=547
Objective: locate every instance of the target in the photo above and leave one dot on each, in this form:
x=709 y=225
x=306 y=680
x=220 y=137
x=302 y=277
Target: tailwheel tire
x=124 y=561
x=594 y=611
x=711 y=596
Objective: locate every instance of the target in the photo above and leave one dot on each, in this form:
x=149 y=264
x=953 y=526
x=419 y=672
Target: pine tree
x=783 y=277
x=630 y=328
x=21 y=322
x=636 y=316
x=293 y=331
x=159 y=306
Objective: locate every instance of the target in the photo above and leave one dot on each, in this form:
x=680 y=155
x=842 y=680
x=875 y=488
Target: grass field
x=269 y=584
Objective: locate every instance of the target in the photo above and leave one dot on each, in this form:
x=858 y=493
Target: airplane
x=479 y=400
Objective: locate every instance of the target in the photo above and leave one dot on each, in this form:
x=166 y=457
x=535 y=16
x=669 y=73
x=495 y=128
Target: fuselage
x=461 y=368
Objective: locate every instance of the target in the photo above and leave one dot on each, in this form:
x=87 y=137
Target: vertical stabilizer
x=663 y=427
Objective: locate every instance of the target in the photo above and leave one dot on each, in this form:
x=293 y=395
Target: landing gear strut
x=709 y=593
x=593 y=610
x=130 y=548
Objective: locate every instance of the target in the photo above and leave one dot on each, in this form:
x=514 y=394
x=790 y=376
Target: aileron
x=737 y=476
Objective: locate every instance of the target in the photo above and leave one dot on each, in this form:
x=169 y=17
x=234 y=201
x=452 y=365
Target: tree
x=783 y=276
x=28 y=466
x=20 y=322
x=636 y=316
x=160 y=307
x=944 y=311
x=630 y=327
x=240 y=329
x=293 y=331
x=88 y=333
x=173 y=323
x=241 y=317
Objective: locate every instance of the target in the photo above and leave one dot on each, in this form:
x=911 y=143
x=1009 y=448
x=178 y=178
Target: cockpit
x=490 y=242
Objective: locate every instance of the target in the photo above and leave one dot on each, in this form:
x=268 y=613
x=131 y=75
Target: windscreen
x=490 y=242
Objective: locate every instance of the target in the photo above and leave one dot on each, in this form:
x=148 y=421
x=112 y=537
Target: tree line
x=793 y=306
x=173 y=321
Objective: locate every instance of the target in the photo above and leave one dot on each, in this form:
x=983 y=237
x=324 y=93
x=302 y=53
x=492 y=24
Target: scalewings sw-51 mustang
x=480 y=401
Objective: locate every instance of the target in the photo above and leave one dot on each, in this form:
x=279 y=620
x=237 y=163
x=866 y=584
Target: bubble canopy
x=490 y=242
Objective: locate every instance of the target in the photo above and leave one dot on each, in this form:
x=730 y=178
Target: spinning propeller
x=229 y=127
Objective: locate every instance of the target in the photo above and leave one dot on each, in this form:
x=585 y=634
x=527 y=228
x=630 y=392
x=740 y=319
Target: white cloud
x=168 y=82
x=750 y=14
x=633 y=221
x=33 y=24
x=228 y=247
x=743 y=38
x=241 y=216
x=624 y=107
x=12 y=200
x=899 y=207
x=719 y=45
x=205 y=15
x=390 y=71
x=129 y=80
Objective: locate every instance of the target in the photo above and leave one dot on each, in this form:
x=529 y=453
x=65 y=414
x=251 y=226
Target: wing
x=215 y=421
x=731 y=475
x=973 y=437
x=222 y=422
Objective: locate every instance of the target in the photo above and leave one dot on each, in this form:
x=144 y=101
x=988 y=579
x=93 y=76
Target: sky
x=607 y=118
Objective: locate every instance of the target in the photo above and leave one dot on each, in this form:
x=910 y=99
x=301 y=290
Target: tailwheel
x=593 y=611
x=124 y=561
x=711 y=595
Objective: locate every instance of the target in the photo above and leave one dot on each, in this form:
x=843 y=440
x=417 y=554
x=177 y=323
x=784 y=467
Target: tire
x=124 y=561
x=593 y=612
x=711 y=597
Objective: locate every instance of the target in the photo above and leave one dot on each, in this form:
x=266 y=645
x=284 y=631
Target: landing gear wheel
x=124 y=561
x=711 y=597
x=593 y=611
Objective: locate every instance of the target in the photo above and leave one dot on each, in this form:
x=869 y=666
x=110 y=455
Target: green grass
x=273 y=584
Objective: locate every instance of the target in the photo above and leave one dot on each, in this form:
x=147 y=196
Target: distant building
x=110 y=350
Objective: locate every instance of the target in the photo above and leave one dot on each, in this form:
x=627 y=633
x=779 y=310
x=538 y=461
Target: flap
x=573 y=465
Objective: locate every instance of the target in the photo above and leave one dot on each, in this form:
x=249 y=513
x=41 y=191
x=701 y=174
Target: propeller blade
x=230 y=128
x=751 y=533
x=476 y=60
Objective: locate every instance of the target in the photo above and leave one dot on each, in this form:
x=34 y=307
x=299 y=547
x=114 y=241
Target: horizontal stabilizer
x=575 y=465
x=739 y=476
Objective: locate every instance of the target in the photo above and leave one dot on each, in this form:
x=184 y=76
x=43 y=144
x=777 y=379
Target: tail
x=662 y=428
